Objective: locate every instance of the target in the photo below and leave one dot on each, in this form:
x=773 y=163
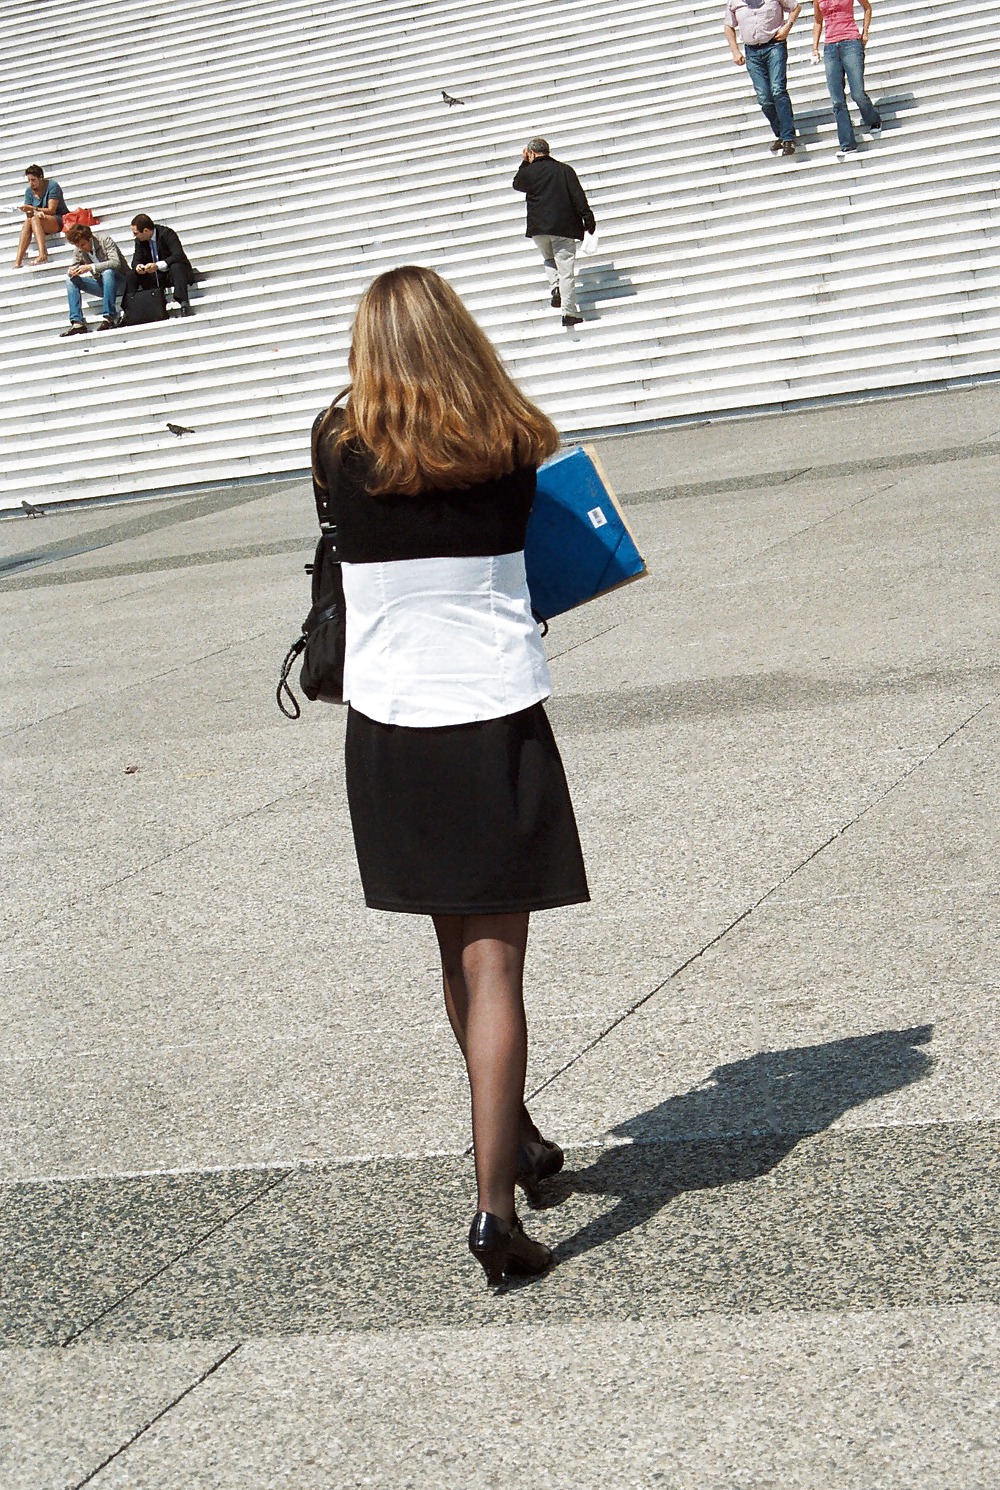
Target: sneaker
x=76 y=328
x=555 y=299
x=775 y=147
x=876 y=129
x=572 y=320
x=843 y=150
x=788 y=147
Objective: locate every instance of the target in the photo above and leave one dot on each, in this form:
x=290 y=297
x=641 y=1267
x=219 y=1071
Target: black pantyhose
x=482 y=962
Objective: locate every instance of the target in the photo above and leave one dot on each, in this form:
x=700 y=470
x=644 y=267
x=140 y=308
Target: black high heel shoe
x=538 y=1159
x=503 y=1248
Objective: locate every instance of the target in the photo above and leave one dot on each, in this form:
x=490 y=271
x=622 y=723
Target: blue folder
x=578 y=544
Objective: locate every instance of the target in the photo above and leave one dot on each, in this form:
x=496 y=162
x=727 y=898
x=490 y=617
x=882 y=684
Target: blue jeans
x=847 y=59
x=110 y=287
x=766 y=65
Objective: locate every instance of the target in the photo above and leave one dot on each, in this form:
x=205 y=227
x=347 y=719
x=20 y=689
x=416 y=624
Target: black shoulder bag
x=322 y=641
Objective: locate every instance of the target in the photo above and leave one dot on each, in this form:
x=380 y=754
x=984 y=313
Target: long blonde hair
x=430 y=399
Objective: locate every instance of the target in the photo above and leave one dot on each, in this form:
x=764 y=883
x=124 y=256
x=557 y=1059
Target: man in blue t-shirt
x=44 y=207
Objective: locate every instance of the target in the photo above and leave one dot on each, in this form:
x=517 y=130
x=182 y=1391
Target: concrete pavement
x=234 y=1192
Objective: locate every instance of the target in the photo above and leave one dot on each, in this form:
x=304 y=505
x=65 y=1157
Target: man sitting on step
x=99 y=268
x=558 y=216
x=159 y=259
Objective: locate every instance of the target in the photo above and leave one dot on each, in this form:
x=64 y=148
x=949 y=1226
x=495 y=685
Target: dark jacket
x=556 y=201
x=168 y=251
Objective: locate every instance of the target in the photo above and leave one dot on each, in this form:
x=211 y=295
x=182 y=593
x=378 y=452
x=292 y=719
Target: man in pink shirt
x=763 y=27
x=844 y=57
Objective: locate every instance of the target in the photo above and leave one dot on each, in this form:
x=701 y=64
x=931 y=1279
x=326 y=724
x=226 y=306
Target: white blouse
x=437 y=641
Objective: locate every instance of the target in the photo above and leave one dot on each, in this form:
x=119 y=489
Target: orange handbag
x=79 y=217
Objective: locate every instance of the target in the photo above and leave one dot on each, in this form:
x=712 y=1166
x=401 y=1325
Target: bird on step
x=179 y=429
x=451 y=102
x=32 y=511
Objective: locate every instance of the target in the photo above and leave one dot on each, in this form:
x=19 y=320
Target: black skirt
x=465 y=819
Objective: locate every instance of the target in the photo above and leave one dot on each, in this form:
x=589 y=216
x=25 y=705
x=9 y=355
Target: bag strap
x=324 y=496
x=298 y=645
x=286 y=700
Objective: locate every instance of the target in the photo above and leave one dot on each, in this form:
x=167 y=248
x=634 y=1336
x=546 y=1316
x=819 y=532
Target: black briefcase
x=143 y=306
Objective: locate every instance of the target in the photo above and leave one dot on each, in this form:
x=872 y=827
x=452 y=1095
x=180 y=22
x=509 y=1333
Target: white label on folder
x=597 y=517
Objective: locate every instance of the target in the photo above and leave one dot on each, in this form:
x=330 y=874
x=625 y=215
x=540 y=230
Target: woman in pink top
x=844 y=57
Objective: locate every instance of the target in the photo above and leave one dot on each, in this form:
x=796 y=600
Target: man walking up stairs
x=558 y=216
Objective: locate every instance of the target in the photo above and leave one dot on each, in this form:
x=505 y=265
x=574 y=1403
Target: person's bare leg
x=42 y=226
x=22 y=243
x=496 y=1050
x=38 y=230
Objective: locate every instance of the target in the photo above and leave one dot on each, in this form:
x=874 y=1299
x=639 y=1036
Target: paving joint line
x=28 y=579
x=184 y=1252
x=292 y=1168
x=153 y=518
x=907 y=460
x=767 y=895
x=178 y=667
x=820 y=521
x=228 y=1355
x=182 y=848
x=584 y=643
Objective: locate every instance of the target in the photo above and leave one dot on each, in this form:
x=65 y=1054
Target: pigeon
x=32 y=511
x=451 y=102
x=179 y=429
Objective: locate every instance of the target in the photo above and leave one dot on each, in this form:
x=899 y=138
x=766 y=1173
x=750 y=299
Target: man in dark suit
x=159 y=259
x=558 y=216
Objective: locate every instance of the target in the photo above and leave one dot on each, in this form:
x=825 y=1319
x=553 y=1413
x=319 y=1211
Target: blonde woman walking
x=457 y=795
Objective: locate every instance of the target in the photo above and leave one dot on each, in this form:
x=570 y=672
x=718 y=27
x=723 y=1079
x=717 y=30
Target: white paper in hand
x=590 y=246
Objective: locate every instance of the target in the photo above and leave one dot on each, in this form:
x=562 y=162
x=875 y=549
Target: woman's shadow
x=737 y=1125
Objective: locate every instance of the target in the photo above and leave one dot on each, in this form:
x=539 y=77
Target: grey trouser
x=560 y=267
